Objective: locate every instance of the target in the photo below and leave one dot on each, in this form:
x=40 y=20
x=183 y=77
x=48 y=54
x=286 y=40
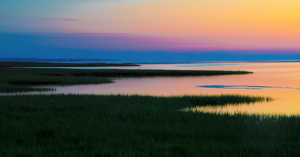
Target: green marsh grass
x=20 y=80
x=121 y=125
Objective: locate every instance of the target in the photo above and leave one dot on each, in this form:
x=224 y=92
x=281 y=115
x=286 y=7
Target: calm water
x=277 y=80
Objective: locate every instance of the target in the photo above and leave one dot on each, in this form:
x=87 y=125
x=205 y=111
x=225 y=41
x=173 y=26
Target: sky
x=238 y=29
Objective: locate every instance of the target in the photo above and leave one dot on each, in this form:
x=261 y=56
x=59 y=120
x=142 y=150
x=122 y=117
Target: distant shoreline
x=40 y=64
x=135 y=62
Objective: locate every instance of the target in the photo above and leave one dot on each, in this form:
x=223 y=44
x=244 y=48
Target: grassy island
x=21 y=79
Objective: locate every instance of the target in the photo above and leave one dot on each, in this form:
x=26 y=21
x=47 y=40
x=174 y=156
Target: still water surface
x=280 y=81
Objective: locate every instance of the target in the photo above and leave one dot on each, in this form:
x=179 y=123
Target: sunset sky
x=96 y=28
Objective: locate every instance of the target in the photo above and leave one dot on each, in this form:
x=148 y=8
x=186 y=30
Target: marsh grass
x=121 y=125
x=143 y=73
x=233 y=99
x=21 y=79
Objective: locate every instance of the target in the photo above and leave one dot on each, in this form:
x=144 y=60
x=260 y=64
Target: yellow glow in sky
x=219 y=18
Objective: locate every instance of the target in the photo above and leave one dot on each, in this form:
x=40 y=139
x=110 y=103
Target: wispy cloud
x=41 y=19
x=120 y=46
x=69 y=19
x=57 y=19
x=122 y=21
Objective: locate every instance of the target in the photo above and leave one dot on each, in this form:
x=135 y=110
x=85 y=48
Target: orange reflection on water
x=283 y=106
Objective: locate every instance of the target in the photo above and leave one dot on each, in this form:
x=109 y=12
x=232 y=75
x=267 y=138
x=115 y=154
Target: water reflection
x=289 y=107
x=209 y=65
x=244 y=87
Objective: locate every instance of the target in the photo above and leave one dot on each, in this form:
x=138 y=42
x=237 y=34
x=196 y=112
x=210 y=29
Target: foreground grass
x=115 y=125
x=20 y=79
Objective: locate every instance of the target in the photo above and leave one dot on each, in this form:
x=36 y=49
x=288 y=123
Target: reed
x=122 y=125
